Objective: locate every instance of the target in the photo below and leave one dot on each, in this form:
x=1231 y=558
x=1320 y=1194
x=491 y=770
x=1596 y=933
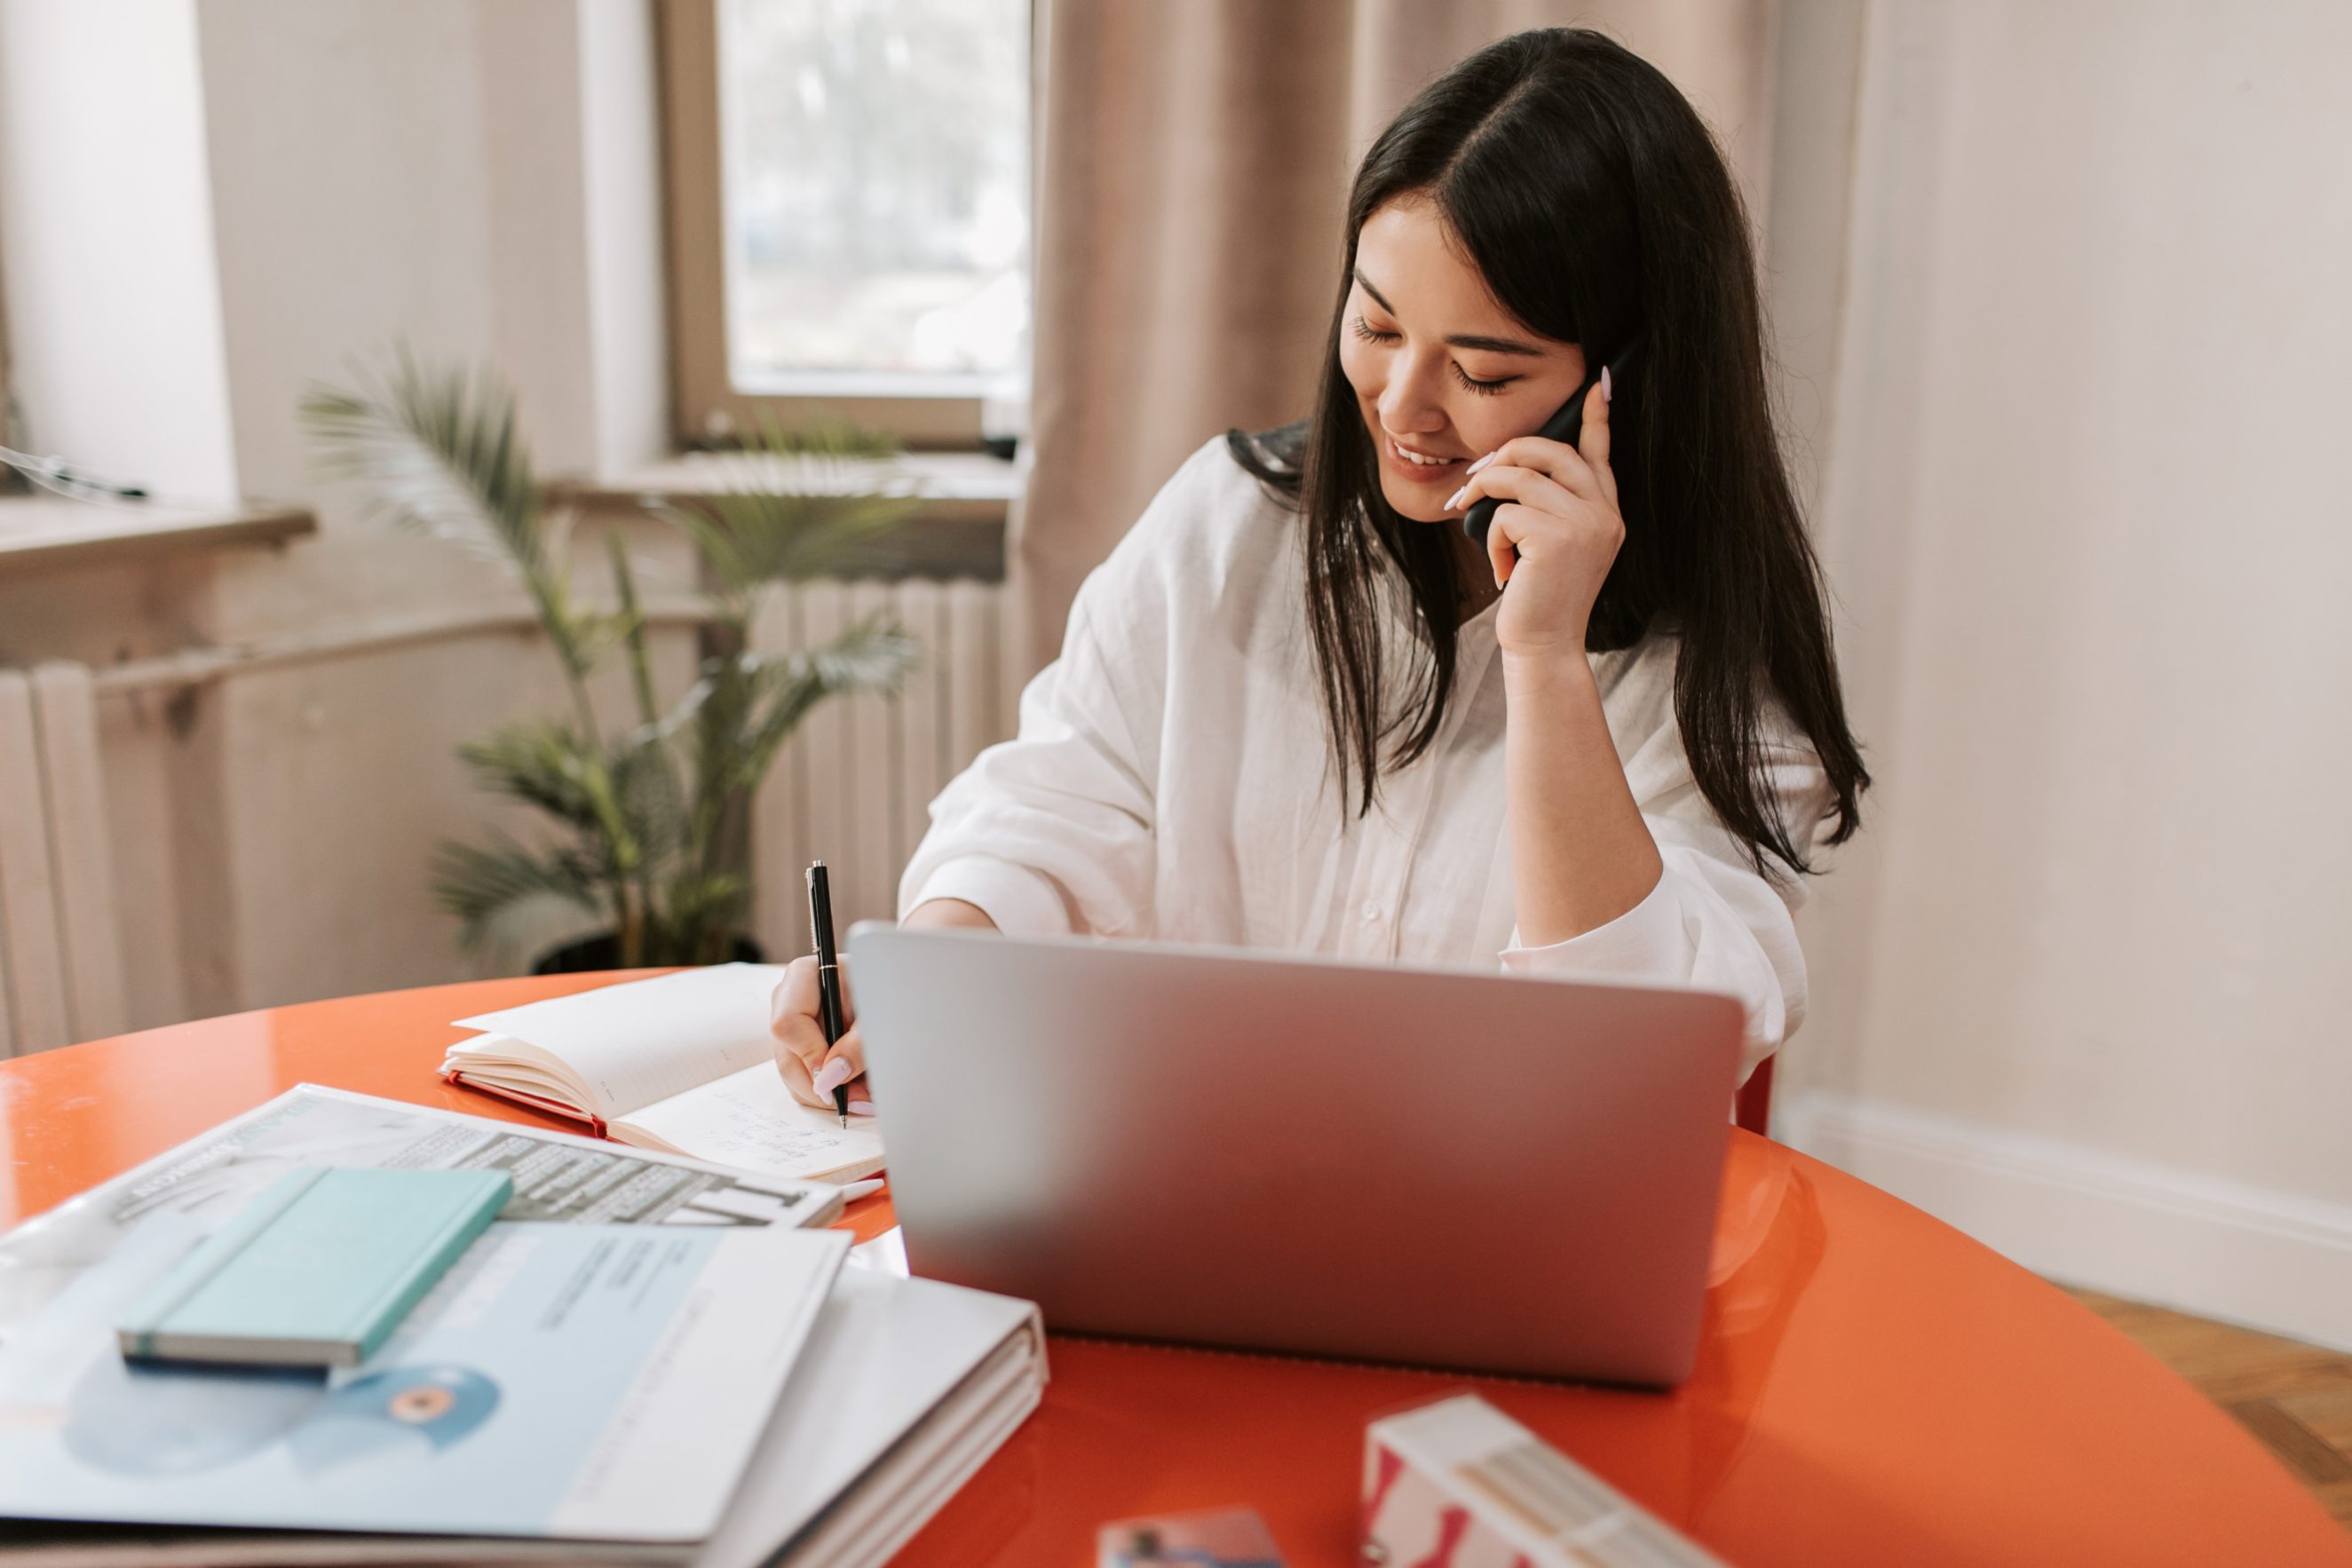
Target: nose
x=1409 y=402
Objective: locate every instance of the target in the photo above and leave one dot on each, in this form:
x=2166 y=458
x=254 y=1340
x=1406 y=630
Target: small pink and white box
x=1458 y=1484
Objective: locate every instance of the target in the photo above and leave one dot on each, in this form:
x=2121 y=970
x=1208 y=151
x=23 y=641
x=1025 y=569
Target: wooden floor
x=2295 y=1397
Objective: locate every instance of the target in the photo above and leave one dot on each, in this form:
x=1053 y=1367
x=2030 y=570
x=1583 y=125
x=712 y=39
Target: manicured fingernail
x=831 y=1076
x=861 y=1108
x=1482 y=462
x=1456 y=498
x=1606 y=394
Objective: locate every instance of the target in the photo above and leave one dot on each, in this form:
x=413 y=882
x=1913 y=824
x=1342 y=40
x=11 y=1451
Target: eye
x=1366 y=331
x=1483 y=388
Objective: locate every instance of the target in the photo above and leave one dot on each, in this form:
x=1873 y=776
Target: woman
x=1299 y=709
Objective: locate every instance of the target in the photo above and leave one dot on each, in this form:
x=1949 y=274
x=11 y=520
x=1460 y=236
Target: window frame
x=706 y=408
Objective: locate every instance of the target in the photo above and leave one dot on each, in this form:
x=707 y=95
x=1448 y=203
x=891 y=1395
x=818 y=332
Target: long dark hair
x=1597 y=206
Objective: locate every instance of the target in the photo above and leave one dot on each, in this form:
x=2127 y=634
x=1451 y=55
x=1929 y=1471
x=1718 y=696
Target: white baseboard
x=2265 y=1259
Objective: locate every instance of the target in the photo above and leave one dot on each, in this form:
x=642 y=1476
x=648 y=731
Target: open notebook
x=684 y=1063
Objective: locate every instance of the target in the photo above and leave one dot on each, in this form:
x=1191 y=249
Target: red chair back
x=1753 y=1107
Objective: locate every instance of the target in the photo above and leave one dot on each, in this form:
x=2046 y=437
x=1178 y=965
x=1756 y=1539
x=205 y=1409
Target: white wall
x=106 y=241
x=422 y=173
x=619 y=113
x=476 y=180
x=2083 y=986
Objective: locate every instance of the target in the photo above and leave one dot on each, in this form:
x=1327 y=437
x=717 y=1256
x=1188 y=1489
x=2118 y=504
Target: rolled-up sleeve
x=1020 y=901
x=1712 y=920
x=1051 y=832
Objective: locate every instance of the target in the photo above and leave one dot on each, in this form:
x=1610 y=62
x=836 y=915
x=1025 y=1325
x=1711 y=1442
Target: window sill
x=958 y=529
x=44 y=532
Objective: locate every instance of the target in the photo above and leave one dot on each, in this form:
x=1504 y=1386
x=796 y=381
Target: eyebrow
x=1460 y=340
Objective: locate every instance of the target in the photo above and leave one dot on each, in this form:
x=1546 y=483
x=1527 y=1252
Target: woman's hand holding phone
x=1557 y=533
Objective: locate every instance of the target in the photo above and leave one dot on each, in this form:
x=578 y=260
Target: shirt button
x=1371 y=911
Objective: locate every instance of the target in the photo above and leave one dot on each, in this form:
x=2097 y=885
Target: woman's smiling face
x=1443 y=372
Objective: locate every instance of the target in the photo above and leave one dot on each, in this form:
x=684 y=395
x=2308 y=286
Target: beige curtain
x=1193 y=159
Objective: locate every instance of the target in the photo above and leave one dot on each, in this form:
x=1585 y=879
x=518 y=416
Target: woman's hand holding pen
x=811 y=1069
x=1556 y=536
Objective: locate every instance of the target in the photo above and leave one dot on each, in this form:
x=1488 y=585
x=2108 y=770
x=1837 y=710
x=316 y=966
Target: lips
x=1419 y=465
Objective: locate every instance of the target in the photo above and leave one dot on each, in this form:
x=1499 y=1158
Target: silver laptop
x=1486 y=1173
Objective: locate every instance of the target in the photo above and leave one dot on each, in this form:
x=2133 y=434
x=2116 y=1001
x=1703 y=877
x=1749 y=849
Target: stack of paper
x=907 y=1388
x=656 y=1381
x=684 y=1063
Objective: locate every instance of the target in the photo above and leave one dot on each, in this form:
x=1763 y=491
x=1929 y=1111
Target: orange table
x=1874 y=1388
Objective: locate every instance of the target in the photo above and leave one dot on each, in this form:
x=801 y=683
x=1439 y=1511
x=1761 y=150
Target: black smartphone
x=1562 y=426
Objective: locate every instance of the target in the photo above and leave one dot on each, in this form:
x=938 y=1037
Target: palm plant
x=652 y=816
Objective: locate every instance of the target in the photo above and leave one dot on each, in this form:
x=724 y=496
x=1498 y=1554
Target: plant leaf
x=647 y=793
x=439 y=451
x=875 y=655
x=484 y=884
x=700 y=911
x=541 y=760
x=805 y=504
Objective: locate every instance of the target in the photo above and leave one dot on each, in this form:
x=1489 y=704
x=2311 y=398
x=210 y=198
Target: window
x=849 y=211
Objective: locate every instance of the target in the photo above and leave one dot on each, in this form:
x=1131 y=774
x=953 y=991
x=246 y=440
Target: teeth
x=1417 y=460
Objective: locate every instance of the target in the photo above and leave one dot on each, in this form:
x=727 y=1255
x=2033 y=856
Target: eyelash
x=1469 y=382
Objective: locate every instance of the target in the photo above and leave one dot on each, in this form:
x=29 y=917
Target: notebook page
x=642 y=1042
x=492 y=1059
x=750 y=1120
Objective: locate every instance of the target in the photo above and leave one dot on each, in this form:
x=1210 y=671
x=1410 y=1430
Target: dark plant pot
x=604 y=951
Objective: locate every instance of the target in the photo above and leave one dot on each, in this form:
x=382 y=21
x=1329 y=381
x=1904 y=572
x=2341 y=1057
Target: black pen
x=828 y=972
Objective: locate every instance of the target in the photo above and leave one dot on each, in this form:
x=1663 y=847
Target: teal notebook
x=316 y=1270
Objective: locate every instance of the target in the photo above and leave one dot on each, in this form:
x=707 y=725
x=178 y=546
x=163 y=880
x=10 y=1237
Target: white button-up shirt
x=1172 y=779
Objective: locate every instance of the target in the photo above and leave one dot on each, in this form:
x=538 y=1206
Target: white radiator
x=852 y=784
x=60 y=952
